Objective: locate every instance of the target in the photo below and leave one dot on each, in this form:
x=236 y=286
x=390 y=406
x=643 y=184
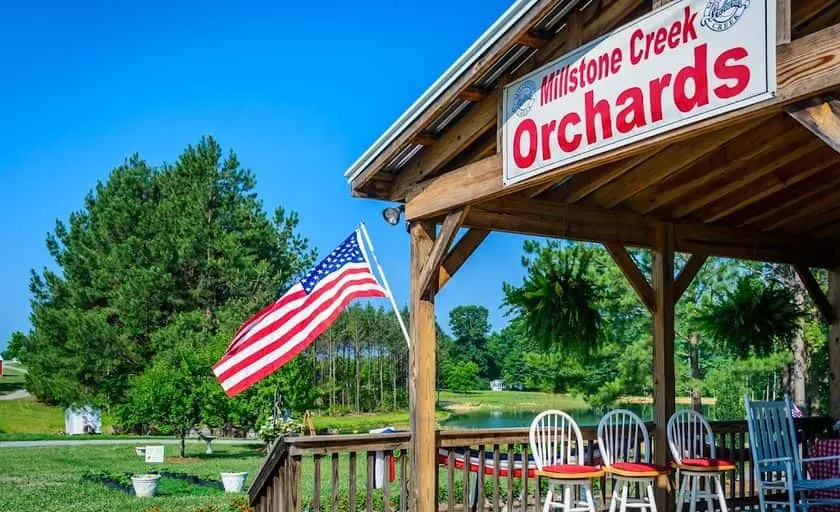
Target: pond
x=485 y=418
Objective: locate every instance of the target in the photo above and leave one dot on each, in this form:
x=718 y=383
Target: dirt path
x=20 y=394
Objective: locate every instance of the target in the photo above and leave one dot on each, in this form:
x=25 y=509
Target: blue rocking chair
x=777 y=463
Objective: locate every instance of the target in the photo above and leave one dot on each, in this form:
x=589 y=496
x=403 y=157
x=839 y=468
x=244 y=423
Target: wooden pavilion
x=758 y=182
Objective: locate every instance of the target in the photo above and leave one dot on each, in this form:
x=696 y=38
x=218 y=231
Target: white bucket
x=234 y=482
x=145 y=486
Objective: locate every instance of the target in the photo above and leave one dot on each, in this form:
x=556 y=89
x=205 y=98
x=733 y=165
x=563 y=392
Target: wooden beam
x=574 y=222
x=533 y=40
x=821 y=116
x=806 y=67
x=666 y=163
x=834 y=344
x=818 y=206
x=473 y=94
x=744 y=180
x=431 y=268
x=687 y=274
x=422 y=381
x=459 y=254
x=773 y=208
x=664 y=379
x=815 y=292
x=581 y=185
x=424 y=139
x=631 y=271
x=783 y=20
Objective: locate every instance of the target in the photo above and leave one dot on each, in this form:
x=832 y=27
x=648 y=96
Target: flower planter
x=234 y=482
x=145 y=486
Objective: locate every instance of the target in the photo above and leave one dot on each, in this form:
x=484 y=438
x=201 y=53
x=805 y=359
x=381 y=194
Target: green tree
x=16 y=346
x=470 y=326
x=186 y=246
x=460 y=376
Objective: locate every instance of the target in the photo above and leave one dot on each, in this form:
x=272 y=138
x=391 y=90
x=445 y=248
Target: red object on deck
x=824 y=469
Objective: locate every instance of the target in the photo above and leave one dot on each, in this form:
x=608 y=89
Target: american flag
x=281 y=330
x=795 y=411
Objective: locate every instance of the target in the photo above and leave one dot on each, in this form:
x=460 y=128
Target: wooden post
x=834 y=344
x=663 y=352
x=422 y=384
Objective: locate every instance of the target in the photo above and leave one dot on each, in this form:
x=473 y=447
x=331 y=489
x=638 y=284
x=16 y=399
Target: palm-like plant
x=557 y=301
x=753 y=315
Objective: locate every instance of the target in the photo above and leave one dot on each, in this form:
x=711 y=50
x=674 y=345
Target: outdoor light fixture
x=392 y=214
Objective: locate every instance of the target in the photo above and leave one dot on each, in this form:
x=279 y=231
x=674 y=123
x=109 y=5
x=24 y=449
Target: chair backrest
x=772 y=434
x=555 y=439
x=689 y=436
x=623 y=437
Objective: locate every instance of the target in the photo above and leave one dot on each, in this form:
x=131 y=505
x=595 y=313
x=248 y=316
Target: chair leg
x=692 y=505
x=721 y=496
x=567 y=498
x=683 y=490
x=624 y=486
x=651 y=496
x=710 y=504
x=549 y=495
x=615 y=499
x=590 y=501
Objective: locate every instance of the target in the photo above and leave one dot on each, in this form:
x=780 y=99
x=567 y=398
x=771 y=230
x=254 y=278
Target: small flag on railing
x=795 y=411
x=280 y=331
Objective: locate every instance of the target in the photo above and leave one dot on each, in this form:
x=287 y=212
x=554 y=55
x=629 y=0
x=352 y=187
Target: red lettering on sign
x=726 y=71
x=526 y=128
x=698 y=75
x=568 y=145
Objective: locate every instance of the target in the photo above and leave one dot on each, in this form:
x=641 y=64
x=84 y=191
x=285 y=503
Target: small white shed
x=497 y=385
x=82 y=420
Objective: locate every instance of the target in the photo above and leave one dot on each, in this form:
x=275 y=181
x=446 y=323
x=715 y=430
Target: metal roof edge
x=511 y=16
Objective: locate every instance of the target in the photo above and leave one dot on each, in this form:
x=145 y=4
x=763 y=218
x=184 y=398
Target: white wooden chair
x=693 y=449
x=557 y=446
x=625 y=449
x=777 y=461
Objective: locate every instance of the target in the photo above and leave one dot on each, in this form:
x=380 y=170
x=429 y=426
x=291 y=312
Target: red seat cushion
x=571 y=469
x=639 y=467
x=708 y=463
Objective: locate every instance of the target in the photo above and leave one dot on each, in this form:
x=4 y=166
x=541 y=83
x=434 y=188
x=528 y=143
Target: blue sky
x=298 y=91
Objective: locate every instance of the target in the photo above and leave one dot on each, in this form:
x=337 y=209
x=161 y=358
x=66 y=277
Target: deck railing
x=339 y=472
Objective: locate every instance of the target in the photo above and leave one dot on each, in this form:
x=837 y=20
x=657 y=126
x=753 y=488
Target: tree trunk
x=799 y=371
x=183 y=443
x=694 y=362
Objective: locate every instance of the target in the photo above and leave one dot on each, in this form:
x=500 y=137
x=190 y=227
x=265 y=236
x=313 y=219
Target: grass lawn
x=51 y=478
x=12 y=380
x=26 y=416
x=508 y=400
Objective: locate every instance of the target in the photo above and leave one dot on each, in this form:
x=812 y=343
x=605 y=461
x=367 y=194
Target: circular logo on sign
x=523 y=98
x=721 y=15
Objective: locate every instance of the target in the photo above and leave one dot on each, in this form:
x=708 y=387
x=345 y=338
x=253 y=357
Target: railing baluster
x=334 y=497
x=479 y=479
x=497 y=458
x=294 y=492
x=466 y=478
x=511 y=473
x=352 y=481
x=403 y=481
x=524 y=491
x=742 y=464
x=450 y=480
x=733 y=446
x=316 y=487
x=386 y=482
x=371 y=465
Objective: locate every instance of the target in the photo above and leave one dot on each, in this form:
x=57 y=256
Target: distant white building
x=497 y=385
x=82 y=420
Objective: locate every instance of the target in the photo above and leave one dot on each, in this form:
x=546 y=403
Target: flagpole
x=385 y=284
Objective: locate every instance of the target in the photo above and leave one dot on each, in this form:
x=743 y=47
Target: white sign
x=690 y=60
x=154 y=453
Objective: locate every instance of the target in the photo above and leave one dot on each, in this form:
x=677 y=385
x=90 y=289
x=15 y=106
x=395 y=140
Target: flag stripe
x=298 y=341
x=294 y=350
x=293 y=312
x=309 y=312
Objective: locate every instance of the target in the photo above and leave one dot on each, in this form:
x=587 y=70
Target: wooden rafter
x=815 y=292
x=743 y=180
x=687 y=274
x=821 y=116
x=574 y=222
x=431 y=267
x=813 y=209
x=806 y=67
x=459 y=254
x=631 y=271
x=773 y=208
x=481 y=117
x=783 y=21
x=581 y=185
x=666 y=162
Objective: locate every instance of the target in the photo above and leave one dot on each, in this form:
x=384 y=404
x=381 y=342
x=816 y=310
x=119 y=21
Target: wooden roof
x=756 y=176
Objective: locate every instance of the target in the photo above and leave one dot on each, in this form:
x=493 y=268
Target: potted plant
x=234 y=482
x=145 y=485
